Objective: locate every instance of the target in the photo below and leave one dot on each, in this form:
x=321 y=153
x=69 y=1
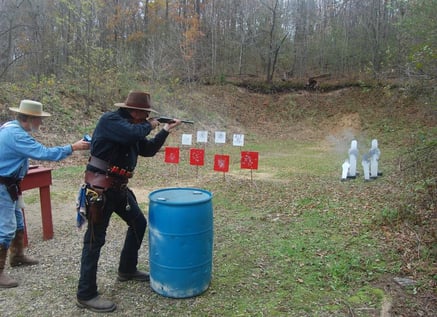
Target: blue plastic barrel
x=180 y=241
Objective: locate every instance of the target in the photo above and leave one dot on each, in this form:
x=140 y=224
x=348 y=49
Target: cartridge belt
x=104 y=182
x=112 y=169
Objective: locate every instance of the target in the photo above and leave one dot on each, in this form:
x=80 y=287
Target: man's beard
x=34 y=129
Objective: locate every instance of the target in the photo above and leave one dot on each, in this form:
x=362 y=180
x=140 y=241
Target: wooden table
x=41 y=177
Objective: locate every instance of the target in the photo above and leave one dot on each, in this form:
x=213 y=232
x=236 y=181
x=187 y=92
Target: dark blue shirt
x=119 y=142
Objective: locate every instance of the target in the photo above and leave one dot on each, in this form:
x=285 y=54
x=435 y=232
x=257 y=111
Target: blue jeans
x=94 y=239
x=11 y=218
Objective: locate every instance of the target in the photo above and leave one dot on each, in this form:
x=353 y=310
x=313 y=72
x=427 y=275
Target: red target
x=221 y=163
x=171 y=155
x=197 y=157
x=249 y=160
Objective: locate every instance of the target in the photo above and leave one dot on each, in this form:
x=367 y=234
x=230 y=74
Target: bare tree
x=169 y=39
x=14 y=27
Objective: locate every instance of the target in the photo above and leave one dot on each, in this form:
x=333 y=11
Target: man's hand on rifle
x=171 y=125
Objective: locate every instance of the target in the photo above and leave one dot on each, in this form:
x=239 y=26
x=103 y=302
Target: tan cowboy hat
x=31 y=108
x=137 y=100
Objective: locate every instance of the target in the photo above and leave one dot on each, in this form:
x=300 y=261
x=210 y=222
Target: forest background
x=100 y=47
x=78 y=57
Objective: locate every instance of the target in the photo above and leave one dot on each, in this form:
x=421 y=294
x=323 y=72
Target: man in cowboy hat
x=17 y=147
x=118 y=139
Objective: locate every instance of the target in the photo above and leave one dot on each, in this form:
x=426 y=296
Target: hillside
x=401 y=120
x=325 y=122
x=391 y=115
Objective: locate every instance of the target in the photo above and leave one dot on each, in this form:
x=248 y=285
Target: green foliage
x=419 y=170
x=388 y=216
x=417 y=26
x=367 y=296
x=10 y=97
x=222 y=79
x=101 y=79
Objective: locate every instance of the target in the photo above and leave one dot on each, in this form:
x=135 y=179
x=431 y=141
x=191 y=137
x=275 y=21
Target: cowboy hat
x=31 y=108
x=137 y=100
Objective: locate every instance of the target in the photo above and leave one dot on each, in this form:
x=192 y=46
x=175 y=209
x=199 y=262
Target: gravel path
x=49 y=289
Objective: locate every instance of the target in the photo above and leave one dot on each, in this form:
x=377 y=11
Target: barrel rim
x=164 y=202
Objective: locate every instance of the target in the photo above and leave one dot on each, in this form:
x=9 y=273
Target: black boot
x=135 y=276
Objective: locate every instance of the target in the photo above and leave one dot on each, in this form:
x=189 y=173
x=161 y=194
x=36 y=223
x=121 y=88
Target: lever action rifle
x=171 y=120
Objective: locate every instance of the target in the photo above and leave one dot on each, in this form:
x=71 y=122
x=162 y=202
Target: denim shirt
x=119 y=141
x=17 y=146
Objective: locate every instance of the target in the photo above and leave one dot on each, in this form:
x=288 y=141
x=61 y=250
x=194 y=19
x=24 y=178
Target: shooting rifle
x=171 y=120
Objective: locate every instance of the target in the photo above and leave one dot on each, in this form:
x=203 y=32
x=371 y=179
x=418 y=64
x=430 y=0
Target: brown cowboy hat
x=137 y=100
x=30 y=108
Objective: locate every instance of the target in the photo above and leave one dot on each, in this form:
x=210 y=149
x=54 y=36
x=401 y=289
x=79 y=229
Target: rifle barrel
x=170 y=120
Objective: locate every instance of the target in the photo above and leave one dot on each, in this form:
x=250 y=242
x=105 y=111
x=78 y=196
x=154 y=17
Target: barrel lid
x=179 y=195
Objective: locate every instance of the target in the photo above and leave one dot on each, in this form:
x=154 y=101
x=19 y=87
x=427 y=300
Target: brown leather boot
x=17 y=257
x=5 y=281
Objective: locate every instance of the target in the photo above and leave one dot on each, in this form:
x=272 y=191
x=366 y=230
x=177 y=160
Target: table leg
x=26 y=241
x=46 y=212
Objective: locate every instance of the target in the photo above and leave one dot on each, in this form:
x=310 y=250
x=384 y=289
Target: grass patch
x=298 y=243
x=293 y=240
x=305 y=252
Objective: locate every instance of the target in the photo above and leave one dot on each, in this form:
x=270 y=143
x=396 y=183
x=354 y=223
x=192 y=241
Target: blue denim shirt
x=17 y=146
